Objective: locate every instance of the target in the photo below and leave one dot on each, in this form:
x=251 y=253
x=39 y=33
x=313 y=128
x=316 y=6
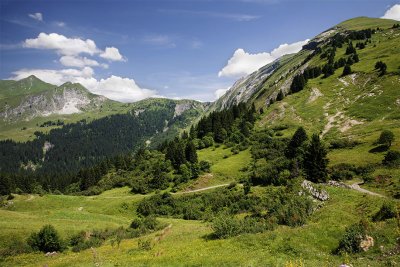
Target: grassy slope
x=186 y=243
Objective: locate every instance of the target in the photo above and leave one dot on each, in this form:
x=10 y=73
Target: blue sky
x=128 y=50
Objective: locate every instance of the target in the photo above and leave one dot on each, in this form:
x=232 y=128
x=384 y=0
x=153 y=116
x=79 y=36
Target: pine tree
x=315 y=161
x=346 y=70
x=299 y=137
x=280 y=96
x=190 y=152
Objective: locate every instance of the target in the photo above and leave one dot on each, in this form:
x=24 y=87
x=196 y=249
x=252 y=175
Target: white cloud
x=60 y=24
x=114 y=87
x=393 y=13
x=160 y=40
x=62 y=44
x=122 y=89
x=37 y=16
x=220 y=92
x=112 y=53
x=243 y=63
x=80 y=62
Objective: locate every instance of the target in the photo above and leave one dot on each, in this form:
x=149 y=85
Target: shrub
x=145 y=244
x=386 y=138
x=387 y=211
x=342 y=171
x=392 y=158
x=351 y=239
x=205 y=166
x=343 y=143
x=46 y=240
x=225 y=226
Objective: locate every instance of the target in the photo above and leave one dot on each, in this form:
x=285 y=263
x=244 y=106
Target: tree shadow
x=378 y=149
x=209 y=237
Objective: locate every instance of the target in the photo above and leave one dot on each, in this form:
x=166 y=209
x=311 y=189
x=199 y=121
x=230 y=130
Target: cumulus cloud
x=62 y=44
x=112 y=53
x=37 y=16
x=122 y=89
x=393 y=13
x=115 y=87
x=220 y=92
x=80 y=62
x=243 y=63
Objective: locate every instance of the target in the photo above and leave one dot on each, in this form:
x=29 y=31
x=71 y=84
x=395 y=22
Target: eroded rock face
x=314 y=192
x=59 y=101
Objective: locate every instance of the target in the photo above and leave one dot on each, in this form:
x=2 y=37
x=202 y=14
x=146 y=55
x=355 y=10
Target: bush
x=342 y=171
x=145 y=244
x=205 y=166
x=351 y=239
x=343 y=143
x=392 y=158
x=46 y=240
x=225 y=226
x=386 y=138
x=387 y=211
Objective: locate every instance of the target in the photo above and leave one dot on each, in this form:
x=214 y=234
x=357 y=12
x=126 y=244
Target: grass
x=186 y=244
x=225 y=165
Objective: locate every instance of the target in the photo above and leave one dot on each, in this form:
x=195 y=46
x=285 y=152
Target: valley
x=297 y=164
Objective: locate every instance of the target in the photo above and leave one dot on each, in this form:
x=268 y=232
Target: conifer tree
x=190 y=152
x=315 y=161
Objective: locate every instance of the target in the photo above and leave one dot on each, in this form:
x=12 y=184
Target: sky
x=131 y=50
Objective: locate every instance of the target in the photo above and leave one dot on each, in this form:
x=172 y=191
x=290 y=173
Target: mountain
x=334 y=105
x=31 y=105
x=42 y=100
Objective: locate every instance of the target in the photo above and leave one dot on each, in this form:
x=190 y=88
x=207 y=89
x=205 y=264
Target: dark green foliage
x=381 y=67
x=5 y=185
x=395 y=26
x=360 y=45
x=298 y=83
x=392 y=158
x=315 y=161
x=79 y=148
x=204 y=166
x=350 y=49
x=190 y=152
x=46 y=240
x=293 y=148
x=280 y=96
x=386 y=138
x=350 y=242
x=343 y=143
x=278 y=206
x=342 y=171
x=346 y=70
x=387 y=211
x=328 y=70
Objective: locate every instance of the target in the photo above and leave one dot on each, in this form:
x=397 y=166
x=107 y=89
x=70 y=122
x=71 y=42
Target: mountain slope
x=359 y=104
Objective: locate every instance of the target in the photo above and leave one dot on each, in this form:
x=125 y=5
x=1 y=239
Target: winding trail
x=201 y=189
x=356 y=186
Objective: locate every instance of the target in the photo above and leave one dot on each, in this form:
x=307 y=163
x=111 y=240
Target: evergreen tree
x=280 y=96
x=315 y=161
x=190 y=152
x=299 y=137
x=346 y=70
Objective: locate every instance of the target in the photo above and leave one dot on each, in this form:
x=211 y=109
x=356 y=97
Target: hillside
x=288 y=168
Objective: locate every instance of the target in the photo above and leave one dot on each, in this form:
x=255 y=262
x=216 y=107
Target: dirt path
x=202 y=189
x=356 y=186
x=31 y=197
